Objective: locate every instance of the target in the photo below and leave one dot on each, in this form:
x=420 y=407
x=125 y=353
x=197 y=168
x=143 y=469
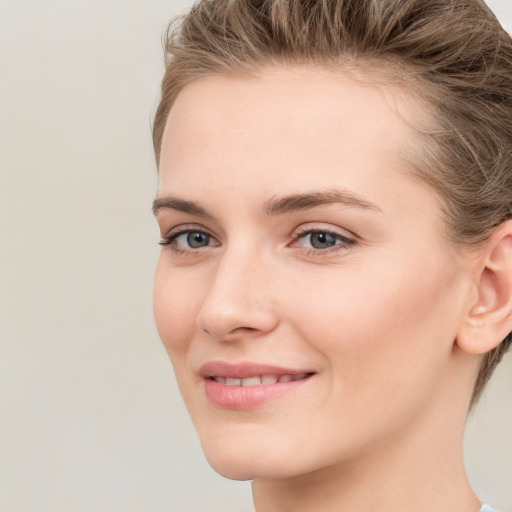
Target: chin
x=244 y=468
x=233 y=468
x=235 y=460
x=252 y=457
x=243 y=457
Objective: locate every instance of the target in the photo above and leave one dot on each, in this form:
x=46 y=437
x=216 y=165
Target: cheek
x=174 y=308
x=382 y=328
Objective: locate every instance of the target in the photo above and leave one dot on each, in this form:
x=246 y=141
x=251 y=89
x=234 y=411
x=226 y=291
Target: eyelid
x=317 y=227
x=346 y=240
x=174 y=233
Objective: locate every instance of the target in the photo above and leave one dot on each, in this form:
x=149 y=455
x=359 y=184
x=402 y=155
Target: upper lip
x=245 y=370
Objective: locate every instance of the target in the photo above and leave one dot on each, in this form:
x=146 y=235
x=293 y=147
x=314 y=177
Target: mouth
x=260 y=380
x=248 y=386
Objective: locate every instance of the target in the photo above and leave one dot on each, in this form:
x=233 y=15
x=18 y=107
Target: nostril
x=238 y=318
x=234 y=334
x=247 y=329
x=243 y=331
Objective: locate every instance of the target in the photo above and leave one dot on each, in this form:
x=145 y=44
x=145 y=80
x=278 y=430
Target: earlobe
x=489 y=319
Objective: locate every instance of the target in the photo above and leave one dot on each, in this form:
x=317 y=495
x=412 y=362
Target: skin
x=380 y=424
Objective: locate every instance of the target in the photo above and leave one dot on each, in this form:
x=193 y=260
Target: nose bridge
x=237 y=300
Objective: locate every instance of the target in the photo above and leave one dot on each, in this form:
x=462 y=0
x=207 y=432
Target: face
x=305 y=292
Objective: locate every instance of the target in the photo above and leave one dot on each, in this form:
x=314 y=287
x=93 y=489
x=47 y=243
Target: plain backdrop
x=90 y=416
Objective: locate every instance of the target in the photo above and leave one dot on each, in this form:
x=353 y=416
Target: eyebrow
x=181 y=205
x=276 y=205
x=298 y=202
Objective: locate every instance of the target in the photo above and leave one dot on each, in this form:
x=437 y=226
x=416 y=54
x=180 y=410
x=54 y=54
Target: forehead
x=220 y=113
x=286 y=129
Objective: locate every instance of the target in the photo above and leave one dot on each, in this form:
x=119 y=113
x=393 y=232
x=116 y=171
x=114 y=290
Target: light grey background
x=91 y=419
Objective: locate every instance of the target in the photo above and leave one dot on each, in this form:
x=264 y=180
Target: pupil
x=196 y=239
x=322 y=240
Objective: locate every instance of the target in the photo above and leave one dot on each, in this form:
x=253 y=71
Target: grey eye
x=196 y=239
x=322 y=240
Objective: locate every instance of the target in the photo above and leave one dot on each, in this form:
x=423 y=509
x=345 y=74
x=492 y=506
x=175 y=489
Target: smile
x=260 y=380
x=248 y=386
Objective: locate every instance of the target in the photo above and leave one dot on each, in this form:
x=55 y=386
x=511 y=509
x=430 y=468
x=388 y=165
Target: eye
x=194 y=239
x=321 y=239
x=315 y=241
x=186 y=240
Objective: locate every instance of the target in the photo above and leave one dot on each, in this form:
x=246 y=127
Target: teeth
x=251 y=381
x=268 y=379
x=259 y=380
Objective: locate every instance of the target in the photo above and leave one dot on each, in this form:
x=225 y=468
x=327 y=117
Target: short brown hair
x=454 y=55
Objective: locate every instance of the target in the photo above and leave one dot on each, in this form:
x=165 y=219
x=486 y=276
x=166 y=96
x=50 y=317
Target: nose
x=239 y=301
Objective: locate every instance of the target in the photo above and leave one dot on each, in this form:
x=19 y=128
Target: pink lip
x=246 y=397
x=244 y=370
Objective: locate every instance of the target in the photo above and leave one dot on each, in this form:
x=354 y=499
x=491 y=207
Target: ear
x=489 y=319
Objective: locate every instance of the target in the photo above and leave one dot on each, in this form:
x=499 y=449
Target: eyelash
x=170 y=239
x=343 y=243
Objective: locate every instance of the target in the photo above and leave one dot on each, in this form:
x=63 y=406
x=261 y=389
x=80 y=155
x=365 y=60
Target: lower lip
x=241 y=398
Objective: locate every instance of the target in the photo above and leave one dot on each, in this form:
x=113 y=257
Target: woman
x=335 y=283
